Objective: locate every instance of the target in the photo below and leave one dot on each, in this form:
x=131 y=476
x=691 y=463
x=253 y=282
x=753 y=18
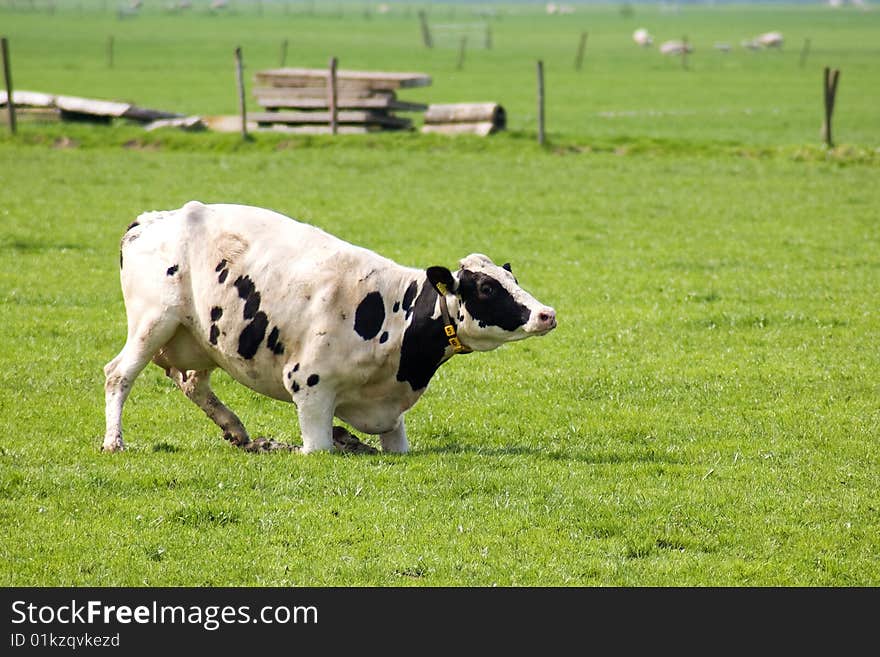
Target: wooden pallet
x=317 y=77
x=345 y=117
x=365 y=101
x=273 y=98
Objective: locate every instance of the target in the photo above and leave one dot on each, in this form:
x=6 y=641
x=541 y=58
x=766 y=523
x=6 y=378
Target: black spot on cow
x=489 y=302
x=409 y=296
x=369 y=316
x=215 y=333
x=133 y=224
x=313 y=380
x=252 y=305
x=384 y=337
x=120 y=258
x=216 y=313
x=222 y=277
x=248 y=292
x=252 y=335
x=171 y=270
x=245 y=286
x=220 y=265
x=296 y=368
x=424 y=342
x=272 y=342
x=395 y=307
x=295 y=387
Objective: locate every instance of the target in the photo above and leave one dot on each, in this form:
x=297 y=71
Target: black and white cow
x=299 y=315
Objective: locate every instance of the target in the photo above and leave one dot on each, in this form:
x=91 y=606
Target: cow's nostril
x=547 y=317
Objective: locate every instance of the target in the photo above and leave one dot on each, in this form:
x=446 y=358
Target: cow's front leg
x=395 y=440
x=315 y=411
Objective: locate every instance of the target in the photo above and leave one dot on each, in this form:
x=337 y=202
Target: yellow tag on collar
x=450 y=330
x=441 y=288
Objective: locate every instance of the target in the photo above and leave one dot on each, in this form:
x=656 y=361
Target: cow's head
x=492 y=308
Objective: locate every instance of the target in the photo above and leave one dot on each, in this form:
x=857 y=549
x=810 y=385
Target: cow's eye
x=487 y=290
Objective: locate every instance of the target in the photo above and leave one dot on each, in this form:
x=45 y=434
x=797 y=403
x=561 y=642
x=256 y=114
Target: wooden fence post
x=805 y=50
x=331 y=95
x=426 y=32
x=239 y=76
x=540 y=102
x=283 y=58
x=7 y=76
x=829 y=86
x=461 y=48
x=579 y=60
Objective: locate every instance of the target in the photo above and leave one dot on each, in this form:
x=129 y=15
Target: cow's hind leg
x=144 y=340
x=196 y=385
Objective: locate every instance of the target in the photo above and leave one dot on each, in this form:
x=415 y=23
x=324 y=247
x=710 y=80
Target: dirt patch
x=141 y=145
x=65 y=142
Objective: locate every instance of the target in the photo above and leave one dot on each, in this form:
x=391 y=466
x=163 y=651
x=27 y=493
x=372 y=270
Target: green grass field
x=706 y=414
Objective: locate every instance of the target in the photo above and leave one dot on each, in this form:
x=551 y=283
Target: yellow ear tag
x=441 y=288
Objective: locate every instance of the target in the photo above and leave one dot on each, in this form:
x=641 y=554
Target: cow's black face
x=488 y=302
x=494 y=309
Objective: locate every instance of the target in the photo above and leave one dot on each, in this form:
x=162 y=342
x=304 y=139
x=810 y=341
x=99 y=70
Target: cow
x=297 y=314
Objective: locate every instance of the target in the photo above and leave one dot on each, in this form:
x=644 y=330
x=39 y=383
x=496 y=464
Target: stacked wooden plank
x=465 y=118
x=298 y=100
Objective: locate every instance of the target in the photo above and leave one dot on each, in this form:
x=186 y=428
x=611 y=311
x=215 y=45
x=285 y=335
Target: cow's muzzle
x=545 y=321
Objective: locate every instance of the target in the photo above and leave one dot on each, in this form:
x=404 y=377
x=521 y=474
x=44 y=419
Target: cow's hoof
x=346 y=443
x=116 y=446
x=268 y=445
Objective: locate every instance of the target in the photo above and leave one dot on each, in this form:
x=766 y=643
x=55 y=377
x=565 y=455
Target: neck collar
x=448 y=326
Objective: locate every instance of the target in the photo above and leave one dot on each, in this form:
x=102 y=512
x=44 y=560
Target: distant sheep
x=766 y=40
x=675 y=48
x=770 y=40
x=642 y=37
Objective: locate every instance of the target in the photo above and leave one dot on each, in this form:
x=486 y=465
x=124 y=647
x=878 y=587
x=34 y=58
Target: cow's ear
x=442 y=279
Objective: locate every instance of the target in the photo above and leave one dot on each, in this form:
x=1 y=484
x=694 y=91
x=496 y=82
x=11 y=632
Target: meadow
x=706 y=413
